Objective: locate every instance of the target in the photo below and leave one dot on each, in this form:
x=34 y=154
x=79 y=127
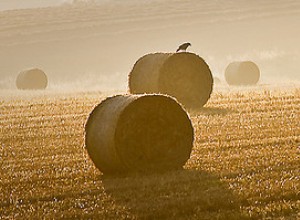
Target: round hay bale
x=138 y=133
x=32 y=79
x=185 y=76
x=242 y=73
x=216 y=80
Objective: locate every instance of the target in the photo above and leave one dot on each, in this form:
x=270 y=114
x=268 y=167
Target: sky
x=20 y=4
x=23 y=4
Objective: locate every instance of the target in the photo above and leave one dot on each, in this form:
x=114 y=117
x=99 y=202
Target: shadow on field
x=172 y=195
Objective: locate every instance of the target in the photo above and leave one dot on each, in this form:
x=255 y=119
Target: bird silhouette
x=183 y=47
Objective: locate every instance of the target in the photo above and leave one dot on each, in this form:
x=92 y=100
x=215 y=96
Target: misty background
x=94 y=44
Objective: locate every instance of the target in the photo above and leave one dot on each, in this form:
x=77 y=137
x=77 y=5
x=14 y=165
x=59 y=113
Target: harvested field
x=244 y=164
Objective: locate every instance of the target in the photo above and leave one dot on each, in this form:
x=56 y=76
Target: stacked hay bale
x=242 y=73
x=184 y=76
x=32 y=79
x=139 y=132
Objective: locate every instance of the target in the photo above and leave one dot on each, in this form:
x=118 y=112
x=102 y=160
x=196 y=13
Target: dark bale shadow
x=183 y=194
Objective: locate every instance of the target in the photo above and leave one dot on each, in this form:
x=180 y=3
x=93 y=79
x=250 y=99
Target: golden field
x=244 y=164
x=246 y=157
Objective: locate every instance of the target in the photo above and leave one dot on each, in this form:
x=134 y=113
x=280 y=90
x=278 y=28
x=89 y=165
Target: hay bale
x=184 y=76
x=138 y=132
x=216 y=80
x=32 y=79
x=242 y=73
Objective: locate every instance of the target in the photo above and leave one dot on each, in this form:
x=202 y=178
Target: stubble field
x=244 y=164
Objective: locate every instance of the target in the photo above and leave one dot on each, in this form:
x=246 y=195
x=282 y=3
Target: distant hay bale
x=138 y=133
x=32 y=79
x=216 y=80
x=242 y=73
x=185 y=76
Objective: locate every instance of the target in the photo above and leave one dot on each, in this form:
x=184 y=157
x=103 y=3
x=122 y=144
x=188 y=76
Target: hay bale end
x=128 y=133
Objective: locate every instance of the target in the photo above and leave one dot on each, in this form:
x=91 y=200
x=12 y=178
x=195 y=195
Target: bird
x=183 y=47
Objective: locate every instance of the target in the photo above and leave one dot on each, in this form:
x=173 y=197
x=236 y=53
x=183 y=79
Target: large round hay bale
x=242 y=73
x=185 y=76
x=32 y=79
x=138 y=133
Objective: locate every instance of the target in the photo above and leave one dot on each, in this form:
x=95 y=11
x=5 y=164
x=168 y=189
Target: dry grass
x=245 y=163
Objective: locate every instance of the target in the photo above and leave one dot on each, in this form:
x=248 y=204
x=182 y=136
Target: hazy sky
x=22 y=4
x=100 y=44
x=19 y=4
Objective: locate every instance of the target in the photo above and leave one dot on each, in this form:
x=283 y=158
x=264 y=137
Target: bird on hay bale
x=183 y=47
